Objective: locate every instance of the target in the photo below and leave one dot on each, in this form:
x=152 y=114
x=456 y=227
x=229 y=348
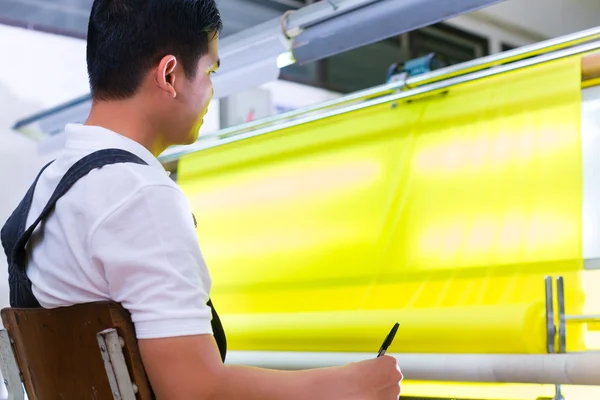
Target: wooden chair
x=86 y=351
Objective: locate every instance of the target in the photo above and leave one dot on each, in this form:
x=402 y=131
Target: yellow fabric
x=443 y=213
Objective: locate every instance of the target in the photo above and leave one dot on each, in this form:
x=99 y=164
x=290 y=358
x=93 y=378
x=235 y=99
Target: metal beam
x=18 y=23
x=375 y=22
x=591 y=263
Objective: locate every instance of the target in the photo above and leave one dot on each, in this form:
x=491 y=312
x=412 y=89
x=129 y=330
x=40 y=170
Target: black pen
x=388 y=340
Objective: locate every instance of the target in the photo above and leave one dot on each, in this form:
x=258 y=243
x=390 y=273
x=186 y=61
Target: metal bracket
x=551 y=330
x=10 y=368
x=550 y=327
x=584 y=319
x=562 y=319
x=111 y=348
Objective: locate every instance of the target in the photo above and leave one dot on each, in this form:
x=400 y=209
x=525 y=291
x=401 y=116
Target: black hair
x=126 y=38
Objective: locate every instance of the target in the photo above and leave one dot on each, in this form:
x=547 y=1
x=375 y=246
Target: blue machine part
x=416 y=66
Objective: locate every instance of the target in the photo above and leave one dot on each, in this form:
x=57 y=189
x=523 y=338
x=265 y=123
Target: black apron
x=14 y=236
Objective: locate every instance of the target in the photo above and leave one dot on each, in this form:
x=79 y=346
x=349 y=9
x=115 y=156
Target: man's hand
x=376 y=379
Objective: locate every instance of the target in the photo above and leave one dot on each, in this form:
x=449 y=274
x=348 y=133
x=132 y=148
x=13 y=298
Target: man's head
x=160 y=54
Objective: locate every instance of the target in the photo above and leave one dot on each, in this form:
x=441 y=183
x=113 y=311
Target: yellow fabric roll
x=428 y=208
x=478 y=329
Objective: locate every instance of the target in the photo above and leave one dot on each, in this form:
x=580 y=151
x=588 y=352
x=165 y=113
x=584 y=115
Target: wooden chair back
x=87 y=351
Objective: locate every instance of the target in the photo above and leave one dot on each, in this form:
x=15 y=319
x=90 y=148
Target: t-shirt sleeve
x=148 y=249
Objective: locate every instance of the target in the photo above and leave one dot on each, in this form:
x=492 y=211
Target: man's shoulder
x=104 y=188
x=139 y=173
x=115 y=182
x=129 y=175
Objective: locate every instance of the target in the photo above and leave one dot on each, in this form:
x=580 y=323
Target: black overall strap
x=15 y=224
x=217 y=326
x=80 y=169
x=15 y=237
x=218 y=331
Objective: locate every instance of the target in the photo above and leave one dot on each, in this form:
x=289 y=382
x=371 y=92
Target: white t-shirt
x=125 y=233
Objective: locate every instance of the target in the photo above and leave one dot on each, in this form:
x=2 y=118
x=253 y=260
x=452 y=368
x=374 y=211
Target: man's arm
x=190 y=368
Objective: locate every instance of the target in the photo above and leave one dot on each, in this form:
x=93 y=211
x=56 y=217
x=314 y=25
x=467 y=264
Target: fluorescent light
x=285 y=59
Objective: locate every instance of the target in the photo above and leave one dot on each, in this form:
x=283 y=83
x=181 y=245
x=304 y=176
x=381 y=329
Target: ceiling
x=530 y=19
x=70 y=17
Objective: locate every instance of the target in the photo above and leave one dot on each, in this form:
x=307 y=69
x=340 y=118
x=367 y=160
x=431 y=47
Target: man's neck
x=127 y=119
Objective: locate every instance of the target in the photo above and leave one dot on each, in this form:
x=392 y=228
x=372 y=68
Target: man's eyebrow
x=218 y=63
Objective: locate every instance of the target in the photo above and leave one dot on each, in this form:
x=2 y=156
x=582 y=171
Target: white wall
x=545 y=18
x=522 y=22
x=496 y=34
x=44 y=69
x=286 y=96
x=590 y=145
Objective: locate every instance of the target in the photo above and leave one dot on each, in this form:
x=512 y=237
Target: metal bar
x=10 y=368
x=84 y=102
x=557 y=393
x=241 y=132
x=562 y=325
x=583 y=318
x=550 y=327
x=116 y=368
x=110 y=372
x=567 y=369
x=562 y=332
x=591 y=263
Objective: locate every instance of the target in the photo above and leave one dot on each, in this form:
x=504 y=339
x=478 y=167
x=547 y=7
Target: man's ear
x=165 y=75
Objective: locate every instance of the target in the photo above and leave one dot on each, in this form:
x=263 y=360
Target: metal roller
x=566 y=369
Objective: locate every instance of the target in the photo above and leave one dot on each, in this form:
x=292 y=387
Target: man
x=125 y=231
